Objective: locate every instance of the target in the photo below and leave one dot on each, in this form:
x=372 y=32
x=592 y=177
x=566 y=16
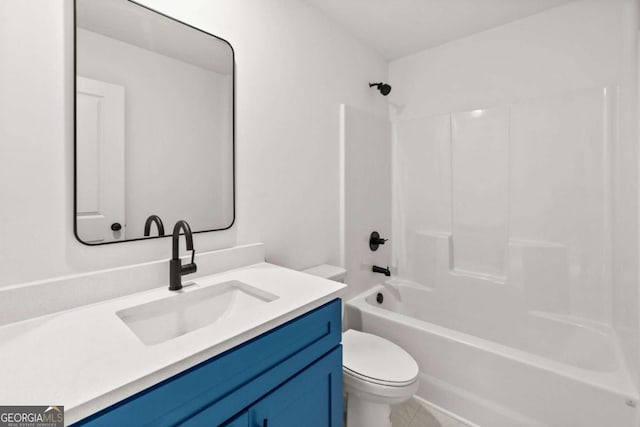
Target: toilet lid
x=377 y=359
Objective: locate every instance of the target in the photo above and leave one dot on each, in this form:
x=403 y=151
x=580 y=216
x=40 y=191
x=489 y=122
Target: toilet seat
x=376 y=360
x=379 y=393
x=346 y=371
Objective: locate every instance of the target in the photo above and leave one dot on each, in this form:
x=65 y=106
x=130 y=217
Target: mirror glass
x=154 y=133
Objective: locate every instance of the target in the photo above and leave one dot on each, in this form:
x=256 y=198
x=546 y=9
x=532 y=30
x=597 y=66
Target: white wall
x=294 y=68
x=178 y=146
x=565 y=82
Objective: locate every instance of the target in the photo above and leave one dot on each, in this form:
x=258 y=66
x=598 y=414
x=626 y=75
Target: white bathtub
x=503 y=368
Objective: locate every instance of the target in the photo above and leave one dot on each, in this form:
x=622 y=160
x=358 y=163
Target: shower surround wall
x=517 y=186
x=515 y=169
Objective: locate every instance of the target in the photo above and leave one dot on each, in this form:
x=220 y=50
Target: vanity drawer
x=237 y=377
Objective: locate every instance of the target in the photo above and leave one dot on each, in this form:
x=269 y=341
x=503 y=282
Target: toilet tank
x=327 y=271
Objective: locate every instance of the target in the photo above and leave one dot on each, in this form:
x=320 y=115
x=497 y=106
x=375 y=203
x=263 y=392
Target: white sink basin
x=192 y=309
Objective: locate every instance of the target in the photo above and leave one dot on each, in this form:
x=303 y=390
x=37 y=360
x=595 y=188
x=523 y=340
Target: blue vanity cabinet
x=241 y=420
x=292 y=371
x=312 y=398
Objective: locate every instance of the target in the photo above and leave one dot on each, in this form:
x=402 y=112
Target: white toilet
x=376 y=372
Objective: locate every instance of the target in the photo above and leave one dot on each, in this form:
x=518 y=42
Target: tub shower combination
x=503 y=251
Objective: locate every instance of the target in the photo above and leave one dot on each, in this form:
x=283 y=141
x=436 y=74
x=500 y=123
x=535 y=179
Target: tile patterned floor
x=415 y=413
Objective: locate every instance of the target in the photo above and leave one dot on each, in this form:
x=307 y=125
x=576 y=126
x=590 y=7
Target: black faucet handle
x=192 y=267
x=375 y=240
x=188 y=268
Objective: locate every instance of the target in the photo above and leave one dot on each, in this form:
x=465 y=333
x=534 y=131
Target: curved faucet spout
x=153 y=219
x=176 y=269
x=184 y=226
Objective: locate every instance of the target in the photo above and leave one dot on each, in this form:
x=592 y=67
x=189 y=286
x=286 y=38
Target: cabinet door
x=241 y=420
x=313 y=398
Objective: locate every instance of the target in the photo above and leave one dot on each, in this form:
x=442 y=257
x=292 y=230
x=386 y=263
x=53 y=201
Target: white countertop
x=87 y=359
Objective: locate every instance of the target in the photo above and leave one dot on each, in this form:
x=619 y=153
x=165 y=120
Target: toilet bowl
x=376 y=372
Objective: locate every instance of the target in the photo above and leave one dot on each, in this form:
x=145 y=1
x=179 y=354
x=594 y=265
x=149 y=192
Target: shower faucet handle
x=375 y=240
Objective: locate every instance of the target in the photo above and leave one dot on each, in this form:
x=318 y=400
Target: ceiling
x=396 y=28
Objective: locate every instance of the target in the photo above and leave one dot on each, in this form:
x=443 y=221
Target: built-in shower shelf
x=501 y=280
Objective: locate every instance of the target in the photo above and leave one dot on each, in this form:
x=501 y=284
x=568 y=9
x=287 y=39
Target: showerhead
x=384 y=88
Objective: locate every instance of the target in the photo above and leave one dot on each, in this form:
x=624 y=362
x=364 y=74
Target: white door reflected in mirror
x=99 y=160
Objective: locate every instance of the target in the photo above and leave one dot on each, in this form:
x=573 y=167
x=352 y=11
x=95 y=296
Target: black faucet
x=375 y=240
x=382 y=270
x=153 y=219
x=176 y=269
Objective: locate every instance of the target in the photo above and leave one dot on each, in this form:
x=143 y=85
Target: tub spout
x=381 y=270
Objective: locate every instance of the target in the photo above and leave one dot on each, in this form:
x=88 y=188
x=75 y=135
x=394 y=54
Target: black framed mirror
x=154 y=124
